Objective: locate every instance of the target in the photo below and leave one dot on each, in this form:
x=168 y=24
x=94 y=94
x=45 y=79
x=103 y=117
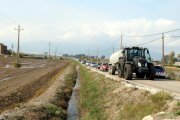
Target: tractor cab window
x=135 y=53
x=147 y=55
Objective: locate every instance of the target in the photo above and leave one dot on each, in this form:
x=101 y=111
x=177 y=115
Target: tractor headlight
x=145 y=64
x=139 y=64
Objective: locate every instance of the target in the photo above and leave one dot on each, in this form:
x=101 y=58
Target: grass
x=171 y=73
x=101 y=98
x=136 y=111
x=178 y=103
x=91 y=92
x=17 y=65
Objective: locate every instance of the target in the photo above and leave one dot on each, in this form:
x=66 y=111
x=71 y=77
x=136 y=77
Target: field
x=20 y=84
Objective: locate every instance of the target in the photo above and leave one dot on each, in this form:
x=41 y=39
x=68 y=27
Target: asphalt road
x=162 y=84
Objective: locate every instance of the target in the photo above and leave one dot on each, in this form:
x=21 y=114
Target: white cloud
x=67 y=35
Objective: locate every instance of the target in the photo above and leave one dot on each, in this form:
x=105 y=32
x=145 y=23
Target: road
x=171 y=86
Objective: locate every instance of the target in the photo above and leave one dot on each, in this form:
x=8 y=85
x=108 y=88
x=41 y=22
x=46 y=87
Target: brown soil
x=51 y=104
x=25 y=82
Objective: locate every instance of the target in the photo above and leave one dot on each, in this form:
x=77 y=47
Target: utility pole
x=49 y=49
x=19 y=30
x=88 y=55
x=113 y=48
x=55 y=52
x=163 y=49
x=121 y=42
x=97 y=53
x=12 y=45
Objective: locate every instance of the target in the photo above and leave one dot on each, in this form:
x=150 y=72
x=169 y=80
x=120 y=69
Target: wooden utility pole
x=49 y=50
x=12 y=45
x=163 y=49
x=113 y=49
x=97 y=53
x=17 y=55
x=88 y=55
x=55 y=52
x=121 y=42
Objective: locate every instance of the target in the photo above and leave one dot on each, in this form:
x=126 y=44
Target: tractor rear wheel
x=128 y=72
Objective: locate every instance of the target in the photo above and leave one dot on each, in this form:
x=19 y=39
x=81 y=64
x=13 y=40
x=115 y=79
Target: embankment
x=102 y=98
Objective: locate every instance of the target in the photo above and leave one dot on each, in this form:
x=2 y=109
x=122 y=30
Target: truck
x=131 y=60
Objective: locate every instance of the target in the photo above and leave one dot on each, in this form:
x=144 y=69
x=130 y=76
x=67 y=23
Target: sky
x=88 y=26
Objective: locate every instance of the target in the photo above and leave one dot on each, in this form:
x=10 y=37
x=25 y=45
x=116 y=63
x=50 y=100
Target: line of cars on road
x=160 y=72
x=101 y=66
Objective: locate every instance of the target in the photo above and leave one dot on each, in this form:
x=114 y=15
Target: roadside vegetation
x=91 y=94
x=102 y=98
x=173 y=73
x=16 y=65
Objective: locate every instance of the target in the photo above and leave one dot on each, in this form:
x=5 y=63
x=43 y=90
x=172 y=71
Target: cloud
x=105 y=33
x=67 y=36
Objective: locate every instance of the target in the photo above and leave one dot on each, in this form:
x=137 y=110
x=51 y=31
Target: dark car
x=104 y=67
x=160 y=72
x=98 y=67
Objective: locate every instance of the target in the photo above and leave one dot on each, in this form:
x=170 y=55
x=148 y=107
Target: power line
x=148 y=42
x=8 y=18
x=173 y=36
x=149 y=35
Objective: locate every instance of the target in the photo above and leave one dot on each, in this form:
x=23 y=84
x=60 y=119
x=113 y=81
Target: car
x=160 y=72
x=93 y=65
x=88 y=63
x=104 y=67
x=83 y=62
x=98 y=65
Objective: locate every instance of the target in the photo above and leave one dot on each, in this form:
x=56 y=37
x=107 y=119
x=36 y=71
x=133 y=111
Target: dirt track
x=18 y=85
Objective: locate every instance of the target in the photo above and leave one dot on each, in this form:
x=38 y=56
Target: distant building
x=3 y=49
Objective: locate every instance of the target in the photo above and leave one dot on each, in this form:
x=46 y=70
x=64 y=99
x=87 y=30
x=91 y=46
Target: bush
x=17 y=65
x=178 y=112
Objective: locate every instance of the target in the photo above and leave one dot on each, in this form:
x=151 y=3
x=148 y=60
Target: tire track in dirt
x=27 y=91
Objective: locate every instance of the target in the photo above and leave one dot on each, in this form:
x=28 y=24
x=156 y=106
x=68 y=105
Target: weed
x=177 y=112
x=134 y=88
x=159 y=99
x=53 y=110
x=90 y=96
x=16 y=65
x=178 y=103
x=160 y=96
x=136 y=111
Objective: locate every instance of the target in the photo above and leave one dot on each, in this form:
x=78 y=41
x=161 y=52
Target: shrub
x=17 y=65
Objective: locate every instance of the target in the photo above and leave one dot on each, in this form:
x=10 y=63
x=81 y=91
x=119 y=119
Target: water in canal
x=72 y=110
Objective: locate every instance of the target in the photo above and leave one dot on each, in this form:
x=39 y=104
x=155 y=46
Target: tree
x=166 y=59
x=103 y=57
x=171 y=58
x=178 y=57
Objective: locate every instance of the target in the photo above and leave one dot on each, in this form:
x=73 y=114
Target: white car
x=93 y=65
x=88 y=63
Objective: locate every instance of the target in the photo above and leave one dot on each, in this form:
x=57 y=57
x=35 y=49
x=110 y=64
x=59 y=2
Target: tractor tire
x=151 y=74
x=113 y=70
x=110 y=70
x=128 y=72
x=120 y=74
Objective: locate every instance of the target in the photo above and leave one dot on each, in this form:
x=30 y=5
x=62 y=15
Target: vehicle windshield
x=159 y=67
x=136 y=52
